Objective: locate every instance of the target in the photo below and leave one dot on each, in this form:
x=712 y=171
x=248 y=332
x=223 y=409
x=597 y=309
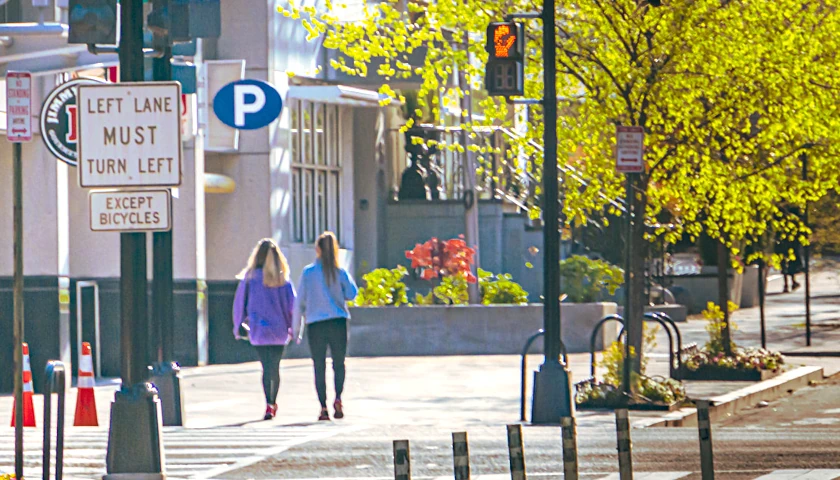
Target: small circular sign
x=58 y=120
x=247 y=104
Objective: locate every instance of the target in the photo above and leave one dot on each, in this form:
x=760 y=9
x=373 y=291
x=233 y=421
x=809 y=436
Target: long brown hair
x=267 y=256
x=328 y=253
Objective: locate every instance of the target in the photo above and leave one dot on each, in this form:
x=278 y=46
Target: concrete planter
x=678 y=313
x=749 y=289
x=703 y=288
x=467 y=330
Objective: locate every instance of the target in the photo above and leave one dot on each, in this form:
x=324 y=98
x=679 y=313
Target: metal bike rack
x=523 y=379
x=593 y=337
x=54 y=383
x=675 y=367
x=97 y=352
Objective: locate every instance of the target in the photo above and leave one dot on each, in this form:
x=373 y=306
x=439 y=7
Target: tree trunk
x=635 y=308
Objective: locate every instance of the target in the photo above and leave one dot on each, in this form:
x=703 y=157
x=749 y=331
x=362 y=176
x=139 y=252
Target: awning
x=337 y=95
x=42 y=49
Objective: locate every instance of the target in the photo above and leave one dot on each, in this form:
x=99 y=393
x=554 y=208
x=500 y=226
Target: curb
x=730 y=403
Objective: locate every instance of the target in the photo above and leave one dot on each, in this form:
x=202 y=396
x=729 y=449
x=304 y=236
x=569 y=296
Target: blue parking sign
x=247 y=104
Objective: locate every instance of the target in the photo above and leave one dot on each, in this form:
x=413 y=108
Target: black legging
x=332 y=333
x=270 y=356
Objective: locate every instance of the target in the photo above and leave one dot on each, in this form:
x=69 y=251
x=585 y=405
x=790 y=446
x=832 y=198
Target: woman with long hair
x=321 y=309
x=263 y=310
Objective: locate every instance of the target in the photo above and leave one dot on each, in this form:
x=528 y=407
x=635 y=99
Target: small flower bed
x=741 y=359
x=651 y=392
x=744 y=364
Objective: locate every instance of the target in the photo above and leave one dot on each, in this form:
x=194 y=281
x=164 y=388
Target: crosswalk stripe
x=189 y=453
x=651 y=476
x=801 y=475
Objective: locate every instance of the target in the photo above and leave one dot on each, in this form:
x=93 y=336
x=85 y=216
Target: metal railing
x=523 y=379
x=55 y=382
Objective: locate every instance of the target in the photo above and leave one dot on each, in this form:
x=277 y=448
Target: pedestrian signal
x=92 y=22
x=505 y=70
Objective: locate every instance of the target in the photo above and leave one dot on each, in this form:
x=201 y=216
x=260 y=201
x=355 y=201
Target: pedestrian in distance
x=321 y=312
x=263 y=310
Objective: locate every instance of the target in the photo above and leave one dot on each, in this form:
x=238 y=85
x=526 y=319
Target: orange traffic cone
x=28 y=407
x=85 y=401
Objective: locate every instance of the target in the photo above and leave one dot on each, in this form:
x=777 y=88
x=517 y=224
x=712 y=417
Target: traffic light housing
x=92 y=22
x=195 y=19
x=505 y=69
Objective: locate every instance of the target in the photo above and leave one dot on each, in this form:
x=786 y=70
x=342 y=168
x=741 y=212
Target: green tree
x=730 y=93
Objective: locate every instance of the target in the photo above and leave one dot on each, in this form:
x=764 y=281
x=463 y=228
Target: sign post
x=629 y=159
x=18 y=129
x=129 y=135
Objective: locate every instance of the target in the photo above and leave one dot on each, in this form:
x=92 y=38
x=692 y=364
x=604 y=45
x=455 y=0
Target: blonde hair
x=270 y=259
x=328 y=247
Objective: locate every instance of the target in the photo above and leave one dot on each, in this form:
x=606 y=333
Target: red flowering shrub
x=442 y=258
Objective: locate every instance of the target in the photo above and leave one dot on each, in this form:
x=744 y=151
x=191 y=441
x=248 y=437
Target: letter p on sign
x=247 y=104
x=241 y=105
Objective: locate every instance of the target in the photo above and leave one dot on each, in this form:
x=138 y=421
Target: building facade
x=330 y=162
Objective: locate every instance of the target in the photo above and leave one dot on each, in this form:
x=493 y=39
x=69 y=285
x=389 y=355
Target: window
x=316 y=169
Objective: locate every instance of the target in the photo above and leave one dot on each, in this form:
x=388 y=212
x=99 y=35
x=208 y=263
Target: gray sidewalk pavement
x=463 y=390
x=389 y=397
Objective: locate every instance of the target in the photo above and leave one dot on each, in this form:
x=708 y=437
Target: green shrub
x=383 y=287
x=452 y=290
x=500 y=289
x=583 y=279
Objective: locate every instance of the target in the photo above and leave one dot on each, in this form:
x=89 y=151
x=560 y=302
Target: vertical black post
x=761 y=286
x=551 y=232
x=18 y=305
x=461 y=455
x=162 y=283
x=723 y=294
x=516 y=452
x=402 y=460
x=133 y=282
x=704 y=426
x=134 y=439
x=806 y=250
x=552 y=385
x=165 y=371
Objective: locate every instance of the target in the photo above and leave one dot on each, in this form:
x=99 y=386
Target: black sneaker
x=339 y=409
x=325 y=415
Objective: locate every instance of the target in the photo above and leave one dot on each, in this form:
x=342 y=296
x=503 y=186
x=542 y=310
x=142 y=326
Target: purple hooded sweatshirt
x=270 y=310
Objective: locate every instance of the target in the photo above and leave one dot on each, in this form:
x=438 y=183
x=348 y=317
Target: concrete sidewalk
x=460 y=391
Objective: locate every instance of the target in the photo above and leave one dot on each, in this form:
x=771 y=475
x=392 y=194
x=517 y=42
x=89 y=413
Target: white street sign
x=129 y=135
x=631 y=150
x=122 y=211
x=19 y=106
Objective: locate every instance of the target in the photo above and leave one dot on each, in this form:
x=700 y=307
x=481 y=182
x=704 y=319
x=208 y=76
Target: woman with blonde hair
x=263 y=310
x=321 y=309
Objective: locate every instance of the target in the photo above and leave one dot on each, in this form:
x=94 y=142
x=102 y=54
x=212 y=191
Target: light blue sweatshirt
x=318 y=301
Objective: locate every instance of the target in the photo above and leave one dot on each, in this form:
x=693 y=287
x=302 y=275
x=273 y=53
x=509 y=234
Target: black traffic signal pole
x=806 y=250
x=552 y=399
x=165 y=371
x=134 y=439
x=162 y=284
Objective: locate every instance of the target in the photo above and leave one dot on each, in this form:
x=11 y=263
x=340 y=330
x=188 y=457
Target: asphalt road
x=740 y=453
